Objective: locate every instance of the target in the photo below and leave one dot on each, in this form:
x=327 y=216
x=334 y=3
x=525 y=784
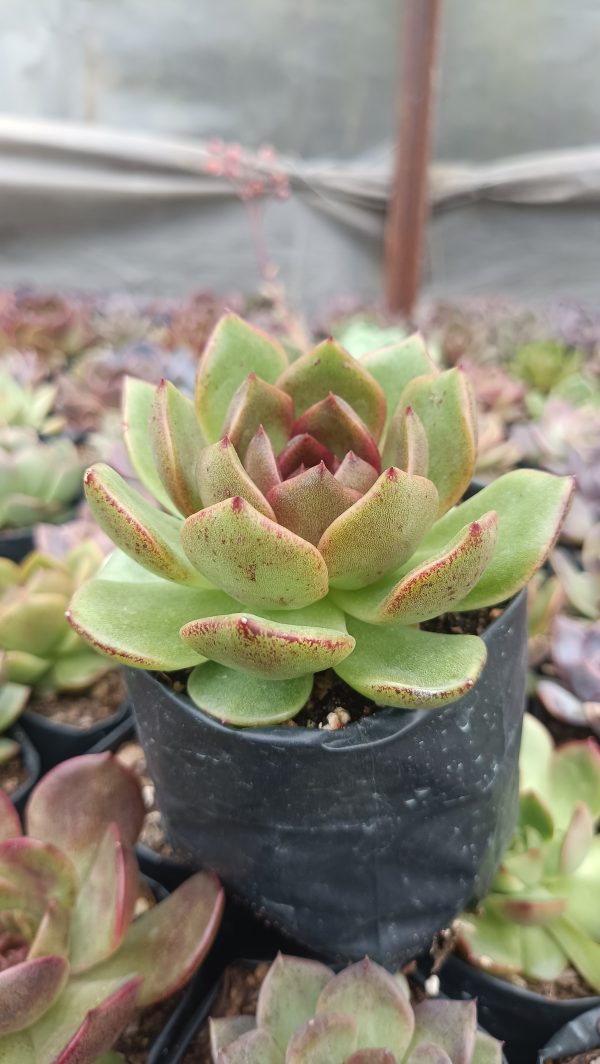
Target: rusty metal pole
x=408 y=210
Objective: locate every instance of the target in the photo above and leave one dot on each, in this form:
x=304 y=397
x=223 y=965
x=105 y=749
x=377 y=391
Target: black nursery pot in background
x=58 y=742
x=579 y=1036
x=16 y=544
x=31 y=761
x=360 y=841
x=524 y=1021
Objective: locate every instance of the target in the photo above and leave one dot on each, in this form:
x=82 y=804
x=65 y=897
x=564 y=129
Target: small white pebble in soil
x=432 y=986
x=336 y=719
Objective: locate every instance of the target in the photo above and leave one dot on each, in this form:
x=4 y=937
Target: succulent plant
x=39 y=481
x=13 y=698
x=311 y=523
x=542 y=913
x=51 y=325
x=74 y=963
x=28 y=407
x=544 y=364
x=40 y=649
x=575 y=654
x=362 y=1015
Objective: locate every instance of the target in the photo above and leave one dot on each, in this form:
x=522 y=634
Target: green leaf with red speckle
x=395 y=365
x=176 y=442
x=334 y=423
x=406 y=444
x=253 y=559
x=310 y=502
x=380 y=531
x=234 y=350
x=221 y=476
x=409 y=668
x=257 y=403
x=433 y=588
x=329 y=368
x=149 y=536
x=137 y=405
x=286 y=645
x=443 y=403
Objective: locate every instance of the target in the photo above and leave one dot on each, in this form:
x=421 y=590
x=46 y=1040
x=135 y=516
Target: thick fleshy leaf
x=288 y=996
x=490 y=942
x=409 y=668
x=406 y=444
x=390 y=518
x=336 y=425
x=246 y=701
x=371 y=995
x=31 y=622
x=444 y=405
x=524 y=499
x=260 y=462
x=138 y=624
x=257 y=403
x=329 y=368
x=372 y=1056
x=52 y=935
x=429 y=1053
x=451 y=1025
x=13 y=699
x=582 y=892
x=432 y=588
x=487 y=1050
x=137 y=404
x=9 y=748
x=326 y=1039
x=304 y=450
x=168 y=942
x=355 y=473
x=581 y=950
x=146 y=534
x=111 y=888
x=310 y=502
x=533 y=812
x=10 y=823
x=276 y=649
x=535 y=755
x=176 y=442
x=222 y=476
x=532 y=908
x=23 y=668
x=252 y=558
x=85 y=1021
x=28 y=989
x=77 y=671
x=255 y=1047
x=234 y=350
x=577 y=840
x=394 y=365
x=17 y=1047
x=36 y=871
x=573 y=777
x=226 y=1029
x=75 y=803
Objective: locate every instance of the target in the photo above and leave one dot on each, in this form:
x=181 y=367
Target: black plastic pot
x=524 y=1021
x=164 y=870
x=578 y=1036
x=32 y=764
x=16 y=544
x=361 y=841
x=57 y=742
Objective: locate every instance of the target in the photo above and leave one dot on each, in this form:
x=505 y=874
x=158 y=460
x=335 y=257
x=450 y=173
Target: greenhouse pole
x=408 y=209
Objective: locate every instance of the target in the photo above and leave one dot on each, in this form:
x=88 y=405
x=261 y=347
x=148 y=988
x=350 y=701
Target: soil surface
x=153 y=833
x=333 y=704
x=143 y=1030
x=13 y=773
x=82 y=709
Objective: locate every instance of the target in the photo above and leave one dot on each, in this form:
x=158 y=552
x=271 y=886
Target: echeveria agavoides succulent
x=74 y=962
x=28 y=407
x=311 y=518
x=360 y=1016
x=542 y=914
x=39 y=481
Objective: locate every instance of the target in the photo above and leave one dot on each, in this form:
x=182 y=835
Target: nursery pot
x=16 y=544
x=58 y=742
x=31 y=761
x=523 y=1020
x=360 y=841
x=579 y=1036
